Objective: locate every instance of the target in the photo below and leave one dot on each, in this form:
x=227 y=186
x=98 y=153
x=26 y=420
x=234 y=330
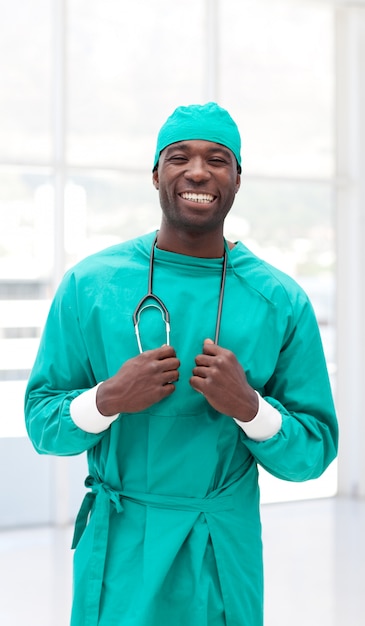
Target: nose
x=197 y=170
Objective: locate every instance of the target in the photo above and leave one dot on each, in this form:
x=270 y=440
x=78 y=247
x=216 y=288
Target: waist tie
x=100 y=500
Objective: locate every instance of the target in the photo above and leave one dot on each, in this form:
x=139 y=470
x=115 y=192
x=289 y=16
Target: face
x=197 y=183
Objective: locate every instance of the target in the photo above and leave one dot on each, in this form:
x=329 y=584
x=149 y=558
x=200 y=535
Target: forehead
x=198 y=146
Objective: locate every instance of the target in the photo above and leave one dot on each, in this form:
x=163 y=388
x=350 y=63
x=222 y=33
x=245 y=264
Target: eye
x=176 y=158
x=217 y=160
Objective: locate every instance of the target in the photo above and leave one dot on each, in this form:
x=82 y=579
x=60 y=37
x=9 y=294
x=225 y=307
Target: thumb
x=209 y=346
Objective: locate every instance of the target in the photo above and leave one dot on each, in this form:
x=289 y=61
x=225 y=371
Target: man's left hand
x=222 y=380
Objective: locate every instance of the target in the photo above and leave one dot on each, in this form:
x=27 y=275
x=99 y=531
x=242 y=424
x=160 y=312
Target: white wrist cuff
x=85 y=414
x=266 y=423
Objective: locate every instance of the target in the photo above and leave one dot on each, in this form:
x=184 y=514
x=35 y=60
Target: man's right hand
x=141 y=382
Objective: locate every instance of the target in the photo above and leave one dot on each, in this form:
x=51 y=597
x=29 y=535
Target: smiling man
x=180 y=362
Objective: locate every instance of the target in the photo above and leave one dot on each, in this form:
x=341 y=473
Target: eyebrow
x=185 y=146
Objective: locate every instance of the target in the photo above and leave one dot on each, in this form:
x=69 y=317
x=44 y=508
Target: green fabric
x=209 y=122
x=170 y=531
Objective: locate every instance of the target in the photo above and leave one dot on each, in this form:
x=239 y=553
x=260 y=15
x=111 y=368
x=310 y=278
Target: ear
x=238 y=182
x=155 y=178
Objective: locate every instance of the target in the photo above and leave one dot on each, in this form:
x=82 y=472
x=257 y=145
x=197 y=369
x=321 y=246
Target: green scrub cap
x=208 y=122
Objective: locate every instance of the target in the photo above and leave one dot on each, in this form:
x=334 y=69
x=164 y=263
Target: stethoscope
x=158 y=304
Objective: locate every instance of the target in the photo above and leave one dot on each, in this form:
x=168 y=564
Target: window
x=82 y=99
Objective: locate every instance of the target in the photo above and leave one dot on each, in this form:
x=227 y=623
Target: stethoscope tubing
x=162 y=307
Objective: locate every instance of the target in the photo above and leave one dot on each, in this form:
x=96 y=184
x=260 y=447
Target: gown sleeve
x=300 y=389
x=61 y=371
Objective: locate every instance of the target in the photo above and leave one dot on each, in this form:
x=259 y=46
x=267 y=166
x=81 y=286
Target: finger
x=204 y=360
x=201 y=371
x=197 y=383
x=166 y=353
x=167 y=390
x=163 y=352
x=170 y=377
x=209 y=347
x=169 y=364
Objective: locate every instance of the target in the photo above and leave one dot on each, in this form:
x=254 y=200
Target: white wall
x=350 y=228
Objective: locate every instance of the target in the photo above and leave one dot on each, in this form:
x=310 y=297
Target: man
x=177 y=395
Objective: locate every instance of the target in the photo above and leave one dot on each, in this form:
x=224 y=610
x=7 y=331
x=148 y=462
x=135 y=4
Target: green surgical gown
x=169 y=531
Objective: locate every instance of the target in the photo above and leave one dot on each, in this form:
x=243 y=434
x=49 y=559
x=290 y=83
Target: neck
x=206 y=245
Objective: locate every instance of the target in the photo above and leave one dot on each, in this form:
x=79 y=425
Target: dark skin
x=197 y=182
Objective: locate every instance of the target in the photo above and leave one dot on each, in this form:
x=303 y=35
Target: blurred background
x=84 y=87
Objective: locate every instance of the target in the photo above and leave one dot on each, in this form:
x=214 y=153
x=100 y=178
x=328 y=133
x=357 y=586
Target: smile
x=202 y=198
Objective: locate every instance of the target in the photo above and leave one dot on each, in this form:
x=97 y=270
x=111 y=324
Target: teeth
x=203 y=198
